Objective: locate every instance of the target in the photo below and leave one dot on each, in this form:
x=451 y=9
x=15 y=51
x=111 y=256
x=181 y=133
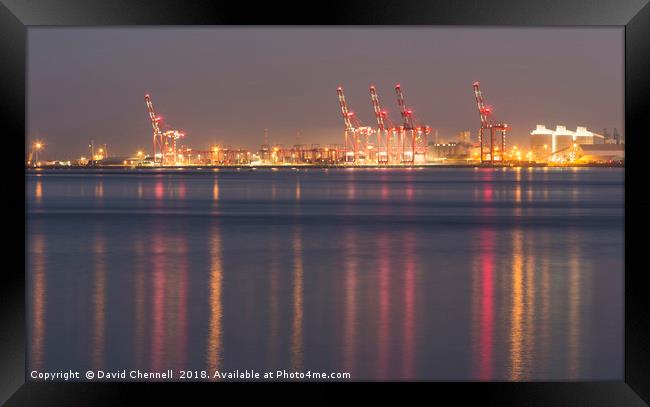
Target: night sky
x=225 y=85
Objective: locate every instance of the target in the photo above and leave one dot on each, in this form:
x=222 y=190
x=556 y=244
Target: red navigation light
x=397 y=85
x=158 y=119
x=409 y=112
x=351 y=114
x=475 y=83
x=372 y=87
x=339 y=88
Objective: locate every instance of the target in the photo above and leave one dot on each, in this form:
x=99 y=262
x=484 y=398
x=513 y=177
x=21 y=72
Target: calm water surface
x=438 y=274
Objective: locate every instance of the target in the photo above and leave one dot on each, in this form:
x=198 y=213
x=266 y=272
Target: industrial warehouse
x=387 y=143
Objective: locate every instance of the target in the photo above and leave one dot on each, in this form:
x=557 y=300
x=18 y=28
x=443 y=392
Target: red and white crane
x=414 y=135
x=407 y=127
x=352 y=129
x=390 y=146
x=383 y=144
x=407 y=114
x=486 y=124
x=157 y=133
x=164 y=142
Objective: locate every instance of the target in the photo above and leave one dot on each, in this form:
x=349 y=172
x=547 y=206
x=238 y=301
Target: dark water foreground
x=445 y=274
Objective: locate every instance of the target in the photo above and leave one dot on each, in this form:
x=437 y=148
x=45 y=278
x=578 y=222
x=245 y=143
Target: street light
x=38 y=146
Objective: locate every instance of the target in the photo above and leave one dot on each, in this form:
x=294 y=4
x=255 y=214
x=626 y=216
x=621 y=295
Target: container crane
x=383 y=144
x=418 y=134
x=486 y=124
x=407 y=126
x=157 y=133
x=351 y=128
x=164 y=142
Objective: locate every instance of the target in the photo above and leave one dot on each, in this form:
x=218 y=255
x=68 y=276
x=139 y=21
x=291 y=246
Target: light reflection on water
x=575 y=300
x=383 y=351
x=38 y=192
x=437 y=275
x=139 y=299
x=274 y=303
x=215 y=189
x=408 y=357
x=99 y=299
x=38 y=303
x=297 y=326
x=351 y=283
x=517 y=329
x=216 y=277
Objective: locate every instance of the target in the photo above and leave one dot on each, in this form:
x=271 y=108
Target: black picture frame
x=16 y=16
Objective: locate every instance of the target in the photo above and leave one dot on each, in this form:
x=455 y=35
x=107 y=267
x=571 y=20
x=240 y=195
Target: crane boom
x=157 y=133
x=486 y=124
x=152 y=114
x=344 y=109
x=406 y=113
x=483 y=112
x=379 y=114
x=383 y=133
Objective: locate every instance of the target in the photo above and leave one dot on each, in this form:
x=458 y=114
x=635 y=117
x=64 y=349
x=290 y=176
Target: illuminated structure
x=301 y=154
x=219 y=155
x=359 y=149
x=541 y=142
x=407 y=131
x=405 y=144
x=37 y=146
x=385 y=134
x=164 y=143
x=351 y=129
x=557 y=145
x=413 y=138
x=451 y=152
x=157 y=134
x=265 y=149
x=486 y=124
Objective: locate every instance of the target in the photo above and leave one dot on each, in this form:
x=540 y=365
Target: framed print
x=359 y=194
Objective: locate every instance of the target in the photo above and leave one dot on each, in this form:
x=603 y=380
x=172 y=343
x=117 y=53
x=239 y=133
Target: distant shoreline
x=250 y=168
